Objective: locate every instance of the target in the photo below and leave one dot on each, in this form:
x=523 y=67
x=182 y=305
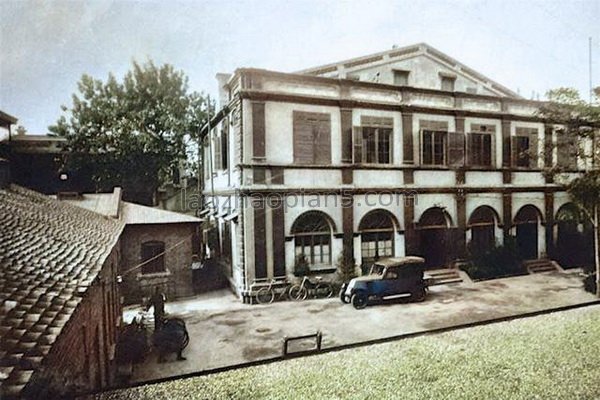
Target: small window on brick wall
x=153 y=253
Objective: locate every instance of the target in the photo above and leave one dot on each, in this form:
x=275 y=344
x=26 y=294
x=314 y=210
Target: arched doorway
x=482 y=224
x=312 y=238
x=574 y=237
x=527 y=224
x=377 y=230
x=434 y=236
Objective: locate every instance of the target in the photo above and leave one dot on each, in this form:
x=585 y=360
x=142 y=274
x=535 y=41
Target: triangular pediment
x=418 y=65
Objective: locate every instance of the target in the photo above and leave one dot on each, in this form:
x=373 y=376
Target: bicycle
x=319 y=289
x=267 y=294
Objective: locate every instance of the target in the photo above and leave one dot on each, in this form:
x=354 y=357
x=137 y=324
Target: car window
x=391 y=274
x=377 y=269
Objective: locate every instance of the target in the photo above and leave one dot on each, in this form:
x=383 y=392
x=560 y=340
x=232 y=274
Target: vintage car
x=389 y=278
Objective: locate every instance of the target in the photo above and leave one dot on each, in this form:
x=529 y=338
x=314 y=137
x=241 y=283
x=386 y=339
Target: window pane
x=384 y=146
x=369 y=144
x=522 y=151
x=439 y=139
x=427 y=147
x=486 y=150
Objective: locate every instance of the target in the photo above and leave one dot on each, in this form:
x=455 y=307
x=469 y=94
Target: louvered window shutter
x=358 y=145
x=303 y=140
x=533 y=149
x=322 y=140
x=217 y=154
x=456 y=149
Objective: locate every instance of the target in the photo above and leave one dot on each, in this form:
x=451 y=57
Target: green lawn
x=555 y=356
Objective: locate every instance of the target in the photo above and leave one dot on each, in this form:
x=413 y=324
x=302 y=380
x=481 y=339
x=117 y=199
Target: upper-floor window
x=480 y=145
x=448 y=83
x=522 y=151
x=225 y=146
x=401 y=77
x=312 y=138
x=434 y=142
x=434 y=147
x=153 y=256
x=373 y=141
x=567 y=150
x=524 y=148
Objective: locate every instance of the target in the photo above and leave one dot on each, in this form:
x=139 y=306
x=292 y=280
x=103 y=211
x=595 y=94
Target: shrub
x=589 y=283
x=301 y=267
x=500 y=261
x=345 y=270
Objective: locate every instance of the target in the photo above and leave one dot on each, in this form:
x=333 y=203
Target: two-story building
x=403 y=152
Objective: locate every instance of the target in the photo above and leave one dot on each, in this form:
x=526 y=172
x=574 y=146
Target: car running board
x=396 y=296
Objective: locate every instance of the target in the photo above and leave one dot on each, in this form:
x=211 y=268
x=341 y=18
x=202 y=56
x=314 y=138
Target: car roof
x=400 y=261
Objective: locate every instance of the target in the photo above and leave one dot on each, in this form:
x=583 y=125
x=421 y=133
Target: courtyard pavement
x=225 y=332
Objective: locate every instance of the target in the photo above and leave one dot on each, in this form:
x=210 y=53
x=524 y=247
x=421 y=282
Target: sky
x=45 y=46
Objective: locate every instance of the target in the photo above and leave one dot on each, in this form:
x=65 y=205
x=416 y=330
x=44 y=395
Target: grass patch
x=554 y=356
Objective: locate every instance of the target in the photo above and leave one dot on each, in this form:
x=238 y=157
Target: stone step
x=538 y=266
x=444 y=276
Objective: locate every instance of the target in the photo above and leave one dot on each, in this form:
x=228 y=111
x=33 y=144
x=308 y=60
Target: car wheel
x=359 y=300
x=419 y=295
x=298 y=293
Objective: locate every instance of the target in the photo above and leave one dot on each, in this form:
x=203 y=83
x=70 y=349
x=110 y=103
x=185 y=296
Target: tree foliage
x=579 y=121
x=134 y=131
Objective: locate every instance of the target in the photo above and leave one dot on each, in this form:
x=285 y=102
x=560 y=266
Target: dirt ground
x=225 y=332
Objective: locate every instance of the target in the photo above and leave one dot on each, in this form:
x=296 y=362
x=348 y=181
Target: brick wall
x=177 y=282
x=81 y=359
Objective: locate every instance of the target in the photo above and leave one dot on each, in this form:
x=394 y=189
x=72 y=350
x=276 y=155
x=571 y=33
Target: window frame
x=451 y=80
x=434 y=133
x=401 y=73
x=481 y=150
x=156 y=266
x=319 y=125
x=521 y=155
x=315 y=232
x=381 y=136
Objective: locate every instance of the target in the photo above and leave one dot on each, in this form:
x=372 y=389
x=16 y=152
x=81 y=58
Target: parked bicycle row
x=266 y=292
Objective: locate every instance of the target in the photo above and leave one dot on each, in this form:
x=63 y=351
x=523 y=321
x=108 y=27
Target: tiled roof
x=50 y=252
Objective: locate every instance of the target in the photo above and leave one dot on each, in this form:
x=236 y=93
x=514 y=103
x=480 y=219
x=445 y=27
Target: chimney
x=222 y=80
x=4 y=173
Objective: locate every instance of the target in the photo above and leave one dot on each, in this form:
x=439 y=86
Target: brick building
x=403 y=152
x=163 y=241
x=59 y=297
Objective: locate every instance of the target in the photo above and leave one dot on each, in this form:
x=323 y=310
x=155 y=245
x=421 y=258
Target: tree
x=579 y=121
x=134 y=132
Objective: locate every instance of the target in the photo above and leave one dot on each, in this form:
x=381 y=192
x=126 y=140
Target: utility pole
x=590 y=66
